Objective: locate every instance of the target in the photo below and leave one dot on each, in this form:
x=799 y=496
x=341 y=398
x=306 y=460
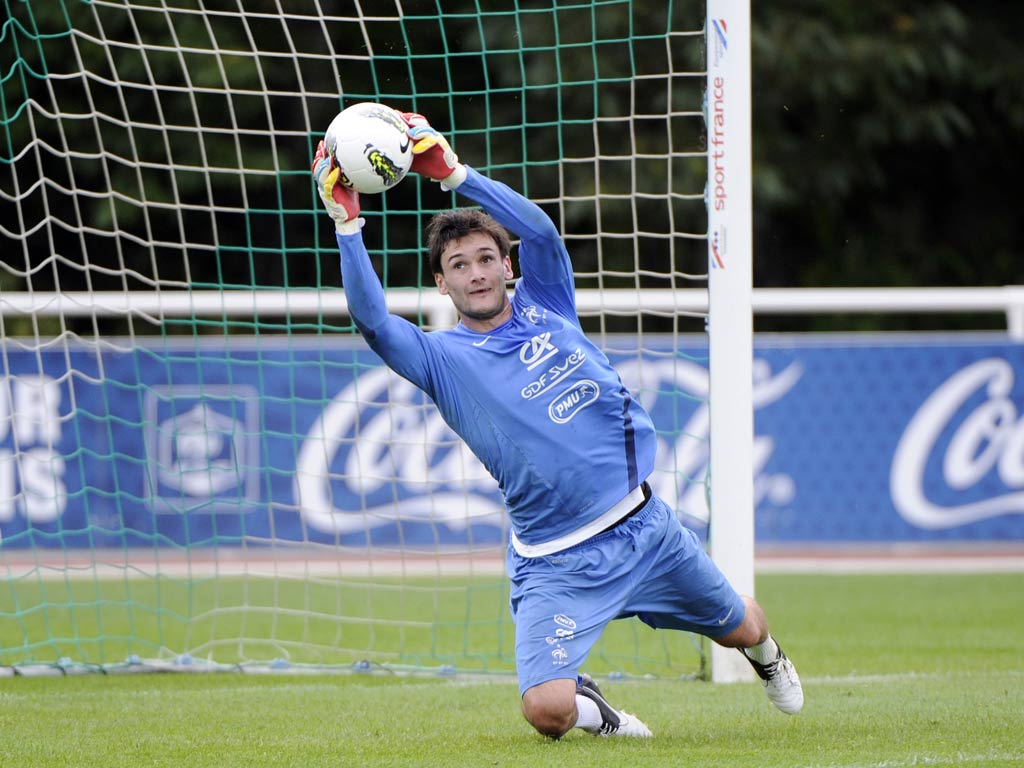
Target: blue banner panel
x=901 y=439
x=859 y=439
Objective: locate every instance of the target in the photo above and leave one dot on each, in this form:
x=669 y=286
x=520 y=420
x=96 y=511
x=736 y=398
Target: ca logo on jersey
x=537 y=350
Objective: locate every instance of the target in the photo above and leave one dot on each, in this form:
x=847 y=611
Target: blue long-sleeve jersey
x=539 y=405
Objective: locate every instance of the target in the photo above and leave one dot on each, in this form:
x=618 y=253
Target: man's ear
x=507 y=262
x=442 y=286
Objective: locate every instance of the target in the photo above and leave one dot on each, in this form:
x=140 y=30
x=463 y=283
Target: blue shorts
x=649 y=566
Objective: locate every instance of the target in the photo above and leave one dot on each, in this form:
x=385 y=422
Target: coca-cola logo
x=380 y=433
x=380 y=437
x=987 y=438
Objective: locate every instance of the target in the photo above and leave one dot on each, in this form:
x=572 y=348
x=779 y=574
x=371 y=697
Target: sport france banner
x=859 y=439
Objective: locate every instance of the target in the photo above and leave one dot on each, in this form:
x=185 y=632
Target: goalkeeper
x=544 y=410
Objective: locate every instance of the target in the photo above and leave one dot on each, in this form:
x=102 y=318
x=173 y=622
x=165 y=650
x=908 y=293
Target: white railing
x=438 y=312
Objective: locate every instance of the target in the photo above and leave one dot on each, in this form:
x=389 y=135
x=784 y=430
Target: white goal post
x=730 y=315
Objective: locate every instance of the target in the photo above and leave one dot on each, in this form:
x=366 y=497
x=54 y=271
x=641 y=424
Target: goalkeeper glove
x=341 y=203
x=432 y=155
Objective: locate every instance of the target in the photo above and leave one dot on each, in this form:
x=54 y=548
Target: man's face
x=473 y=274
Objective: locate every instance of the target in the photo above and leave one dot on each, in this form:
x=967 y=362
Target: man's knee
x=551 y=707
x=753 y=629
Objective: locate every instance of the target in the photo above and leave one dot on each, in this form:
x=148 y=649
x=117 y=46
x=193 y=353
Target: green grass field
x=898 y=670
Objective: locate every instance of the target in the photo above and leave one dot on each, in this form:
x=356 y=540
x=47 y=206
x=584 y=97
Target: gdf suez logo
x=537 y=350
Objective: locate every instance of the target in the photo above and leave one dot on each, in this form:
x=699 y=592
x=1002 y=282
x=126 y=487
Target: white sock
x=763 y=653
x=588 y=715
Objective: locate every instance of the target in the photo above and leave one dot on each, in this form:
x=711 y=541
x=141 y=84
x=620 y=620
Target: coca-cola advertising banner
x=858 y=439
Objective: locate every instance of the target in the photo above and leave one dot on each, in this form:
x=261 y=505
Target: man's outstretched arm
x=542 y=255
x=399 y=343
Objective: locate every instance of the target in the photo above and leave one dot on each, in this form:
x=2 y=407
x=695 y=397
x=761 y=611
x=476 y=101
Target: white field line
x=342 y=564
x=916 y=760
x=42 y=564
x=954 y=563
x=892 y=677
x=462 y=679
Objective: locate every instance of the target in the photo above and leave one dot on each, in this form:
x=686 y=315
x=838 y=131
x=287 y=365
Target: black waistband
x=647 y=497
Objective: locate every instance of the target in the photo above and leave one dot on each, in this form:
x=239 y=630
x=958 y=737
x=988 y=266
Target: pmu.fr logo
x=202 y=447
x=719 y=39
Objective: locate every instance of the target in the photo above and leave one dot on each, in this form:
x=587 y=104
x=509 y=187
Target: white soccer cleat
x=630 y=725
x=613 y=721
x=781 y=683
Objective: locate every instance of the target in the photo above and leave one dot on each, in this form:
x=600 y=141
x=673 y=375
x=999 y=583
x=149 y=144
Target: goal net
x=201 y=463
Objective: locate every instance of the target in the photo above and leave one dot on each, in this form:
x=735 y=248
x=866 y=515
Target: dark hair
x=447 y=226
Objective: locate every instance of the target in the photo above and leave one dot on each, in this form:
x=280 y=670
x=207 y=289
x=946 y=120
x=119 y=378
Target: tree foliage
x=887 y=135
x=887 y=143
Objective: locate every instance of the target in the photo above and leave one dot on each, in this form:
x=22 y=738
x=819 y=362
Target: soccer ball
x=368 y=141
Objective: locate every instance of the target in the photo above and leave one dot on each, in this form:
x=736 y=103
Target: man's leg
x=551 y=707
x=682 y=588
x=560 y=606
x=777 y=673
x=555 y=707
